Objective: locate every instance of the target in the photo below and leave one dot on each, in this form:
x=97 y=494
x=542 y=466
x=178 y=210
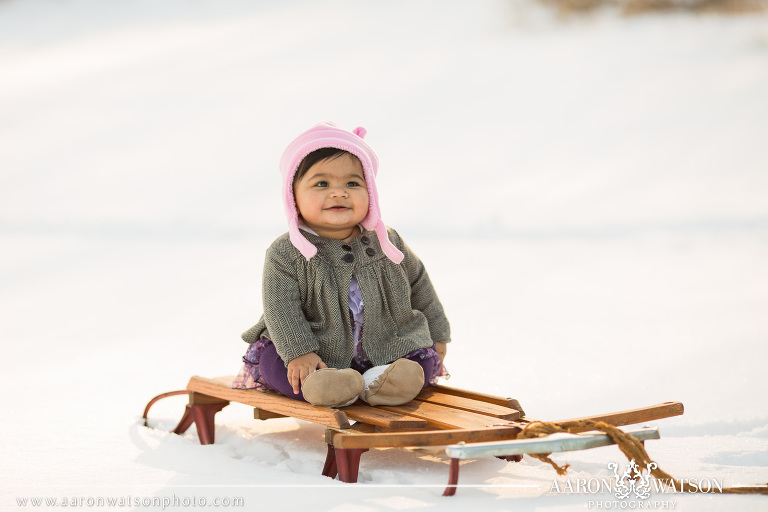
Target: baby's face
x=332 y=197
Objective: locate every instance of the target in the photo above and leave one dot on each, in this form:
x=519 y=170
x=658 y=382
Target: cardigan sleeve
x=288 y=327
x=423 y=295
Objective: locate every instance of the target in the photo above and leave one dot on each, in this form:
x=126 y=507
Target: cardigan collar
x=365 y=248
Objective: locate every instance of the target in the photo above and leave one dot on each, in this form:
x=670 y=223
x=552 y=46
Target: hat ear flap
x=389 y=249
x=305 y=247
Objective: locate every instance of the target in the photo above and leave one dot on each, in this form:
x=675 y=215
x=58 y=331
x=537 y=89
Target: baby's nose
x=338 y=191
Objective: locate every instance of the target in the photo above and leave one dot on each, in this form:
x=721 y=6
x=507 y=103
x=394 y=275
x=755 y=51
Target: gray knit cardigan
x=306 y=303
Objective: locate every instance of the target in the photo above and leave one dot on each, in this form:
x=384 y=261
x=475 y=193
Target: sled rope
x=629 y=446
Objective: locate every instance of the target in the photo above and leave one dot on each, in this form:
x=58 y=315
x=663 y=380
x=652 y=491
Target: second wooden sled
x=439 y=416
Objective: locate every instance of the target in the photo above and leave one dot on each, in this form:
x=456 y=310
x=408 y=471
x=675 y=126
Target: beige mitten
x=331 y=387
x=394 y=384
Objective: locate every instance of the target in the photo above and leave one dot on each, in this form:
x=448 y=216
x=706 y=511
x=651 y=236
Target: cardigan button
x=365 y=240
x=346 y=247
x=349 y=258
x=370 y=252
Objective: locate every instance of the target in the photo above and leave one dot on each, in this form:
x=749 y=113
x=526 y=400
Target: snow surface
x=589 y=196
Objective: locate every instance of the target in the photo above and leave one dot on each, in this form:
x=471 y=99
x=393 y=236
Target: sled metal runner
x=439 y=416
x=552 y=443
x=549 y=444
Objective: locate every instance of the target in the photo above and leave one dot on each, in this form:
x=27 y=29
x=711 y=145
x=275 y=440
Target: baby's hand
x=441 y=349
x=301 y=367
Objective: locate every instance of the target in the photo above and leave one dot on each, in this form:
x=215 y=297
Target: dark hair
x=318 y=155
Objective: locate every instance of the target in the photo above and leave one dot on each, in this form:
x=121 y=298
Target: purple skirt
x=249 y=376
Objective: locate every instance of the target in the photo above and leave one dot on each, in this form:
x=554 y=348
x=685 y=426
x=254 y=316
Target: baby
x=349 y=310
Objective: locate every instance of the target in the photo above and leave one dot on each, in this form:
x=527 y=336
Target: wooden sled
x=473 y=424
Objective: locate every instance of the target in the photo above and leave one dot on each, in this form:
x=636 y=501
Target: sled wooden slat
x=468 y=404
x=222 y=388
x=444 y=417
x=382 y=418
x=474 y=395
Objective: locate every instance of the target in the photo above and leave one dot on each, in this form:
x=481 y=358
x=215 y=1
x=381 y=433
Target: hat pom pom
x=360 y=132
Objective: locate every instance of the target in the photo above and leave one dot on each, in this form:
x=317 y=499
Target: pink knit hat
x=329 y=135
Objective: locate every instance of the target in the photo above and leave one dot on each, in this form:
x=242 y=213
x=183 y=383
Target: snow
x=588 y=196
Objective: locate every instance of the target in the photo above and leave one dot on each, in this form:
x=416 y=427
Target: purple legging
x=275 y=373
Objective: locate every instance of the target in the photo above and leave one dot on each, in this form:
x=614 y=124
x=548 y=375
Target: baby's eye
x=353 y=184
x=321 y=184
